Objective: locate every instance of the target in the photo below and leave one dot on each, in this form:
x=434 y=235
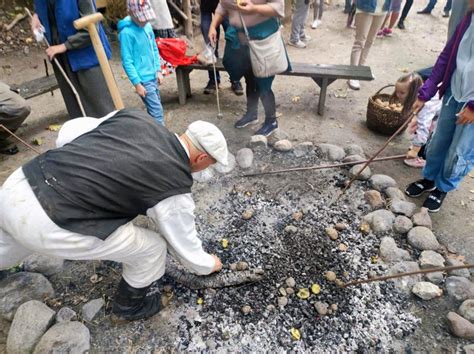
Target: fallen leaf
x=403 y=70
x=200 y=301
x=374 y=259
x=303 y=293
x=296 y=99
x=54 y=127
x=315 y=289
x=278 y=114
x=295 y=333
x=340 y=93
x=224 y=243
x=38 y=141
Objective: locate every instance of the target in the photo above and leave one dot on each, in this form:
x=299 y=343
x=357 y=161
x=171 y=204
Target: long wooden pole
x=322 y=167
x=400 y=275
x=19 y=139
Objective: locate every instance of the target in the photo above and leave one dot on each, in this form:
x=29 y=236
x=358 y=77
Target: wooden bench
x=36 y=87
x=323 y=76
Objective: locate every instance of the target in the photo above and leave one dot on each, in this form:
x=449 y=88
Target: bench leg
x=182 y=87
x=322 y=96
x=187 y=83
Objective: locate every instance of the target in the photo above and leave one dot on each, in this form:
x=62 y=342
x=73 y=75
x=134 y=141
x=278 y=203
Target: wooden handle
x=90 y=23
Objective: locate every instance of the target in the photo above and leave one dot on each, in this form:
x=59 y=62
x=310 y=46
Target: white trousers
x=367 y=26
x=25 y=229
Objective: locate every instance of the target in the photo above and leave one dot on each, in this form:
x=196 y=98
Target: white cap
x=209 y=139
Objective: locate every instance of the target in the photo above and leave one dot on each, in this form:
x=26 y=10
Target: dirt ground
x=343 y=122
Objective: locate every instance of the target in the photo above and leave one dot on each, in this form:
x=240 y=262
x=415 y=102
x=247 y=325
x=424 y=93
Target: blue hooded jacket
x=139 y=52
x=371 y=5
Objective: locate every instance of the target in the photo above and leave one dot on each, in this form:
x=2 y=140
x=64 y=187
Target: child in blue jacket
x=139 y=53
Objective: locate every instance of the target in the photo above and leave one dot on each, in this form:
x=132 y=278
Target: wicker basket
x=380 y=119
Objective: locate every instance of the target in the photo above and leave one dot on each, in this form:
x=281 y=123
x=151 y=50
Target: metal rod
x=423 y=271
x=322 y=167
x=399 y=130
x=19 y=139
x=56 y=61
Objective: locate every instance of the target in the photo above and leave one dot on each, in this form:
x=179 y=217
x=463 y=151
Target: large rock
x=374 y=198
x=382 y=182
x=435 y=277
x=422 y=218
x=364 y=176
x=303 y=149
x=402 y=224
x=226 y=169
x=430 y=259
x=277 y=135
x=92 y=308
x=422 y=238
x=403 y=207
x=331 y=152
x=463 y=272
x=389 y=252
x=466 y=310
x=37 y=263
x=258 y=141
x=20 y=288
x=65 y=337
x=283 y=145
x=31 y=321
x=459 y=326
x=426 y=291
x=405 y=284
x=245 y=158
x=354 y=149
x=380 y=220
x=460 y=288
x=394 y=193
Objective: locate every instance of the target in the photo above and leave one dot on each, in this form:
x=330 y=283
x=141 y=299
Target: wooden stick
x=19 y=139
x=399 y=130
x=18 y=18
x=322 y=167
x=423 y=271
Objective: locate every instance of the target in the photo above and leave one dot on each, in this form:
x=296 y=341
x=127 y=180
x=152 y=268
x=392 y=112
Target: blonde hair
x=414 y=83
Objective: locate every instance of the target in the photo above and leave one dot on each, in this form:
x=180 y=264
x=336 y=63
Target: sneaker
x=417 y=162
x=401 y=25
x=315 y=24
x=298 y=44
x=305 y=38
x=387 y=32
x=236 y=86
x=424 y=12
x=354 y=84
x=419 y=187
x=247 y=119
x=210 y=87
x=380 y=33
x=267 y=128
x=434 y=201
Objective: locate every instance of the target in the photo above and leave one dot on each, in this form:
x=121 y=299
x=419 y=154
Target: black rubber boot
x=269 y=105
x=132 y=304
x=251 y=115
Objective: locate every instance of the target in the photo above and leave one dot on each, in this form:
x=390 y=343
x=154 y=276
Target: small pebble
x=282 y=301
x=321 y=308
x=290 y=282
x=282 y=291
x=334 y=307
x=247 y=214
x=290 y=229
x=340 y=226
x=290 y=291
x=339 y=283
x=271 y=308
x=297 y=216
x=246 y=309
x=242 y=266
x=332 y=233
x=330 y=276
x=342 y=247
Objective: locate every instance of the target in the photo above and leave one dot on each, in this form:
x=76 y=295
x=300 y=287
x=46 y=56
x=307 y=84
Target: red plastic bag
x=173 y=50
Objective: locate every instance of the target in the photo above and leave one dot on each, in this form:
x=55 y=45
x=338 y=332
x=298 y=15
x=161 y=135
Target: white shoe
x=315 y=24
x=299 y=44
x=305 y=38
x=354 y=84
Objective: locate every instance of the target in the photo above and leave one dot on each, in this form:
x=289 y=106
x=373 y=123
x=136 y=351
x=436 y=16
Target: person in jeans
x=261 y=19
x=393 y=16
x=208 y=8
x=298 y=38
x=13 y=111
x=140 y=58
x=450 y=154
x=317 y=13
x=427 y=10
x=369 y=18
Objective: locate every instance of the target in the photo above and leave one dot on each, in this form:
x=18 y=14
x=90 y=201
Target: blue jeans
x=206 y=19
x=152 y=101
x=432 y=4
x=450 y=154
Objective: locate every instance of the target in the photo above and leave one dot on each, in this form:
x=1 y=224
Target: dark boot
x=132 y=304
x=269 y=105
x=251 y=115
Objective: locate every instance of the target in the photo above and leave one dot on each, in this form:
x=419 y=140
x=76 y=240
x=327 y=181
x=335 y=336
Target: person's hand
x=55 y=50
x=212 y=35
x=246 y=6
x=140 y=90
x=418 y=105
x=35 y=23
x=218 y=264
x=160 y=78
x=466 y=116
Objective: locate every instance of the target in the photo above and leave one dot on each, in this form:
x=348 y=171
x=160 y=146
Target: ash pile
x=283 y=225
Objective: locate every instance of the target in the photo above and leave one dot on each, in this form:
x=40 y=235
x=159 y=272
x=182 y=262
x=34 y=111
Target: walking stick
x=399 y=130
x=19 y=139
x=323 y=167
x=400 y=275
x=56 y=61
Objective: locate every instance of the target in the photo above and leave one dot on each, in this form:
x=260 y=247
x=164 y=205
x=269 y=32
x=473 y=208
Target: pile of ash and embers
x=278 y=223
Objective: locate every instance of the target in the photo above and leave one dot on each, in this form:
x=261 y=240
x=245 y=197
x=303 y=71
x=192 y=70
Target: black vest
x=108 y=176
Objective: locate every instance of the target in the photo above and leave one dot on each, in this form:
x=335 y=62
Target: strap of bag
x=244 y=26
